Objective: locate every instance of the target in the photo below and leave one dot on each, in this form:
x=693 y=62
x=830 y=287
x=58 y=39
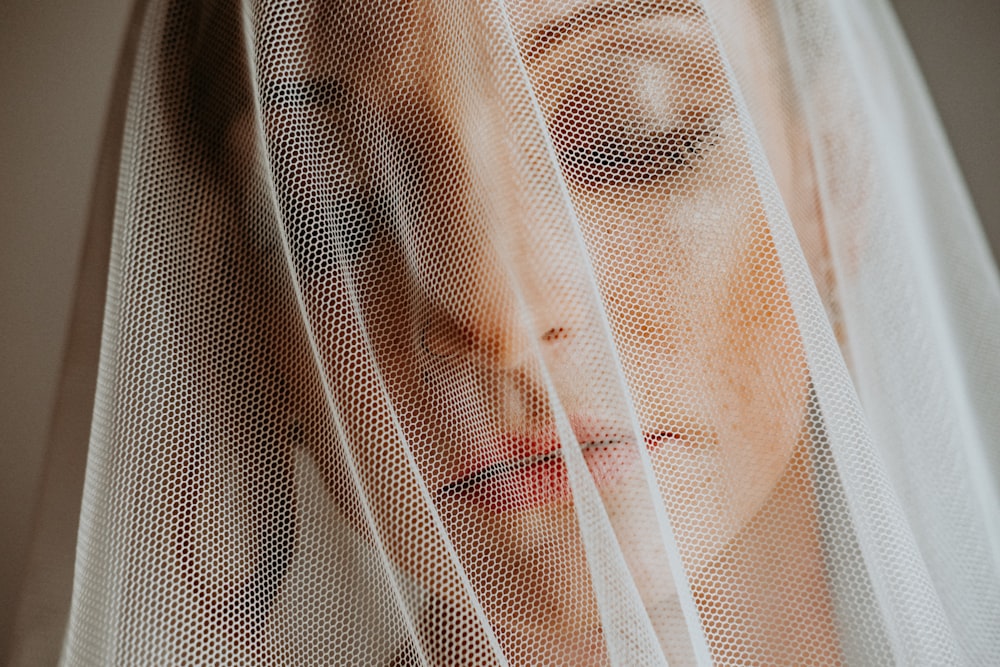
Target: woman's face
x=523 y=296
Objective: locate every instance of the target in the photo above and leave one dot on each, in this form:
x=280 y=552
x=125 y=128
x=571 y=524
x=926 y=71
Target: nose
x=504 y=267
x=500 y=339
x=502 y=306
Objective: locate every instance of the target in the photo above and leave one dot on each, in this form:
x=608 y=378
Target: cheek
x=667 y=264
x=707 y=338
x=758 y=353
x=761 y=348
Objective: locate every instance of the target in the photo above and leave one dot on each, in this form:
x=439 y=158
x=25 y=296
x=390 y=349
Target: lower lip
x=547 y=481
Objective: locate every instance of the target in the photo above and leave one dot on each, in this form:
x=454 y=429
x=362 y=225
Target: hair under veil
x=517 y=332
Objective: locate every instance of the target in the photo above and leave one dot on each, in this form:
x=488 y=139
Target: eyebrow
x=545 y=36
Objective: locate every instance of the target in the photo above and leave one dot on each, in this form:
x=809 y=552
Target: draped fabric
x=539 y=332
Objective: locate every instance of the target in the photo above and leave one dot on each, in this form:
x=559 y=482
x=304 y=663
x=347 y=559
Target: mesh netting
x=488 y=332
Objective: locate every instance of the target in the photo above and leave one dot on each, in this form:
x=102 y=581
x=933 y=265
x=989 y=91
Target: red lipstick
x=522 y=472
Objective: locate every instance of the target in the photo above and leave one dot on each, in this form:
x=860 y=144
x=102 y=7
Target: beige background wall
x=56 y=64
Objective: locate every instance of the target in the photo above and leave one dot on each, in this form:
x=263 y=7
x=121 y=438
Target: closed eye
x=599 y=147
x=630 y=159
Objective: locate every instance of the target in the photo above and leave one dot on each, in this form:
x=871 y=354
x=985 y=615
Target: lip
x=522 y=472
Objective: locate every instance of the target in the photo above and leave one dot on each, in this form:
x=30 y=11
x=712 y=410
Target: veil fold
x=592 y=332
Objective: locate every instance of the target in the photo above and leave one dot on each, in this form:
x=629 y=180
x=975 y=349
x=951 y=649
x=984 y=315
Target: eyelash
x=610 y=142
x=633 y=158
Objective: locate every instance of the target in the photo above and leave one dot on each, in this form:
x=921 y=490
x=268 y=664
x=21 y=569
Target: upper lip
x=514 y=452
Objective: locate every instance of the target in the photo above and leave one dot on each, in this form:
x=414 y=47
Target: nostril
x=555 y=333
x=498 y=344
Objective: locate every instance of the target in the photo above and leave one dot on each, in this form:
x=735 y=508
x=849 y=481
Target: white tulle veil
x=528 y=332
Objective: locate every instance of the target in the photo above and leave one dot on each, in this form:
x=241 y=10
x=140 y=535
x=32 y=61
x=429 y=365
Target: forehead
x=532 y=14
x=356 y=38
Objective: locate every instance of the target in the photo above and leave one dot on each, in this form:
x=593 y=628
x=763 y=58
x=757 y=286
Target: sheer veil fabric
x=539 y=332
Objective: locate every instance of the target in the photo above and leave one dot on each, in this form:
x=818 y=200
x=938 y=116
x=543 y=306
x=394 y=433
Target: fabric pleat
x=555 y=332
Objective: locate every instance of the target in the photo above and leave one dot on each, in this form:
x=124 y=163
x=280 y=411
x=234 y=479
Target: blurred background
x=57 y=60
